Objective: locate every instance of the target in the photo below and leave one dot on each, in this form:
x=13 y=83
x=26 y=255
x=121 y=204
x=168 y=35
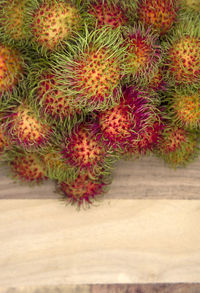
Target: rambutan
x=157 y=82
x=28 y=167
x=159 y=14
x=143 y=54
x=12 y=20
x=84 y=190
x=177 y=147
x=191 y=6
x=11 y=69
x=52 y=22
x=90 y=71
x=4 y=142
x=183 y=54
x=84 y=150
x=114 y=13
x=121 y=124
x=185 y=108
x=25 y=128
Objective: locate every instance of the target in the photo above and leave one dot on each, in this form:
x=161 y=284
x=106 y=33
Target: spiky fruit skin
x=177 y=146
x=4 y=142
x=185 y=108
x=108 y=14
x=90 y=76
x=160 y=14
x=25 y=129
x=55 y=166
x=53 y=22
x=83 y=191
x=84 y=150
x=11 y=68
x=183 y=54
x=120 y=125
x=28 y=167
x=12 y=20
x=52 y=101
x=143 y=54
x=157 y=82
x=191 y=6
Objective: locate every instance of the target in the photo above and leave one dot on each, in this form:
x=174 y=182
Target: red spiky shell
x=11 y=68
x=83 y=190
x=160 y=14
x=25 y=128
x=28 y=167
x=108 y=14
x=121 y=124
x=51 y=100
x=53 y=22
x=157 y=82
x=83 y=148
x=184 y=60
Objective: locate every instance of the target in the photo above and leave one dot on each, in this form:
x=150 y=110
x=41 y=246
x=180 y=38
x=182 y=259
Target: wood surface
x=43 y=242
x=144 y=178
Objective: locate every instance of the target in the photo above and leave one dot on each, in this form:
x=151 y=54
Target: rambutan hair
x=182 y=54
x=143 y=54
x=85 y=190
x=122 y=124
x=90 y=70
x=158 y=14
x=177 y=147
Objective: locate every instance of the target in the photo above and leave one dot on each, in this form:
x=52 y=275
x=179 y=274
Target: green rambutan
x=84 y=190
x=143 y=54
x=90 y=71
x=159 y=14
x=12 y=20
x=177 y=147
x=183 y=54
x=25 y=128
x=185 y=108
x=111 y=12
x=52 y=22
x=11 y=69
x=190 y=6
x=122 y=124
x=28 y=167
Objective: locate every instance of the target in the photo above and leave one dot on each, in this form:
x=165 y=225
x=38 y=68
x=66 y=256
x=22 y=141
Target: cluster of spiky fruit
x=86 y=83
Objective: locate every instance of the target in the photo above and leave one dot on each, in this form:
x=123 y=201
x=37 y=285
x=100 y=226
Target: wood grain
x=145 y=178
x=44 y=242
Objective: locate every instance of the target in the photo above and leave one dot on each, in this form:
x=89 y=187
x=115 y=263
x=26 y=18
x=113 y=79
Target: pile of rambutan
x=85 y=83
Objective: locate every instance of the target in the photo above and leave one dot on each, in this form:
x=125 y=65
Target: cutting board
x=145 y=231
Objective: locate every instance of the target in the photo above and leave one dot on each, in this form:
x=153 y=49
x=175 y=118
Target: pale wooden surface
x=44 y=242
x=145 y=178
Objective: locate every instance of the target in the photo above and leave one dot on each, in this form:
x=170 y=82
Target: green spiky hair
x=26 y=167
x=177 y=147
x=49 y=98
x=112 y=12
x=24 y=125
x=182 y=50
x=56 y=167
x=143 y=54
x=184 y=107
x=189 y=6
x=85 y=190
x=90 y=71
x=51 y=22
x=13 y=14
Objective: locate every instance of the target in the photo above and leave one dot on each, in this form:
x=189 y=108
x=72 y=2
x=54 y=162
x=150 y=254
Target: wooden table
x=146 y=231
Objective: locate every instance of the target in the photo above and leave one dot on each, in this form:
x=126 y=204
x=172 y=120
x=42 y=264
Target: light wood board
x=44 y=242
x=148 y=177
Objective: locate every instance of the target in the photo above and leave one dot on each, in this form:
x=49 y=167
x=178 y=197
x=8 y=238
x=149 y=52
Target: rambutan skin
x=122 y=124
x=177 y=147
x=160 y=14
x=28 y=167
x=143 y=54
x=83 y=191
x=25 y=128
x=53 y=22
x=83 y=149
